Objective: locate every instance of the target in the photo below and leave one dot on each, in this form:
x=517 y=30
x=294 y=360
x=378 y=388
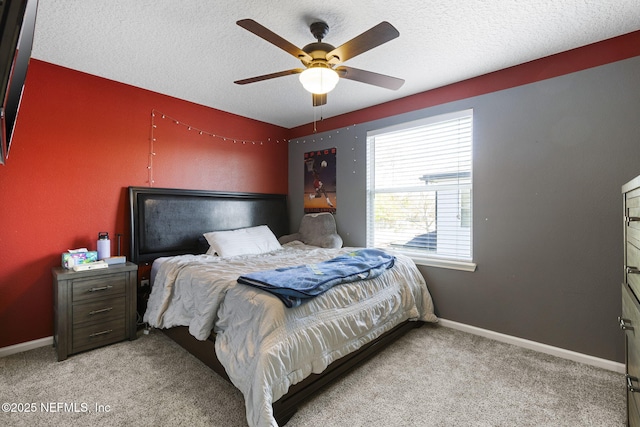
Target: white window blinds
x=419 y=184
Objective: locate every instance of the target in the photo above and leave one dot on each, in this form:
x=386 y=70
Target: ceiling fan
x=320 y=74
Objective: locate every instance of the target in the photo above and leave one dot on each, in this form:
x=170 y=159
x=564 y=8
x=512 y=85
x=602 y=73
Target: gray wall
x=549 y=160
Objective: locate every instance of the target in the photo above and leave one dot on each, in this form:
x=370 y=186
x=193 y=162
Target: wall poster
x=320 y=181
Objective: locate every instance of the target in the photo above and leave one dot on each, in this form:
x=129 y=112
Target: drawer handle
x=91 y=313
x=632 y=270
x=108 y=331
x=103 y=288
x=630 y=386
x=629 y=219
x=623 y=324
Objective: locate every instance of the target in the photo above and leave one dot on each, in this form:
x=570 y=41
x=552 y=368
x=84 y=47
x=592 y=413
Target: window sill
x=430 y=261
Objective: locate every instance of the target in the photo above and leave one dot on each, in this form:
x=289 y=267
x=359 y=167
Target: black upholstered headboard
x=168 y=221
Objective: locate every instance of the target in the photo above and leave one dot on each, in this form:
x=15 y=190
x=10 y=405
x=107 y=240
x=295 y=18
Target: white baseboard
x=532 y=345
x=24 y=346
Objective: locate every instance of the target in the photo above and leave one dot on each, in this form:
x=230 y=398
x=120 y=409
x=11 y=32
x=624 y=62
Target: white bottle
x=104 y=245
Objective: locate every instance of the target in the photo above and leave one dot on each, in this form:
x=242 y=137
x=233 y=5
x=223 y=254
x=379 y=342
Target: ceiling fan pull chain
x=314 y=121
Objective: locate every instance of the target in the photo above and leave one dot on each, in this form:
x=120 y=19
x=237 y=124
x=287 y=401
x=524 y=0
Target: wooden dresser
x=630 y=319
x=93 y=308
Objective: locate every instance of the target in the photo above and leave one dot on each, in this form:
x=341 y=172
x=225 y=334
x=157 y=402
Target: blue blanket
x=294 y=285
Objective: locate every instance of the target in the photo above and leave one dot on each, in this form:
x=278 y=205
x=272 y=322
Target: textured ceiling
x=193 y=49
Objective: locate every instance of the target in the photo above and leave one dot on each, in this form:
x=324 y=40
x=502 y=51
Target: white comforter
x=266 y=347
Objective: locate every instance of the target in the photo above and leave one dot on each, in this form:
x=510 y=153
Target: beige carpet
x=433 y=376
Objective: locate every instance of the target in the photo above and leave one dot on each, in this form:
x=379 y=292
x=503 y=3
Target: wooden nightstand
x=93 y=308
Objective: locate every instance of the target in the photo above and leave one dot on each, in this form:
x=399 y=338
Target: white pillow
x=243 y=241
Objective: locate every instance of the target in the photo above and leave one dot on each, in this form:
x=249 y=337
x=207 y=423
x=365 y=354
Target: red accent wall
x=80 y=141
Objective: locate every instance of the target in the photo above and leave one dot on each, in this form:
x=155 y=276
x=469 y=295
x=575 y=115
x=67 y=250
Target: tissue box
x=71 y=259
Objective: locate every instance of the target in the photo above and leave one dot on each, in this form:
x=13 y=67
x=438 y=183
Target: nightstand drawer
x=632 y=264
x=96 y=335
x=101 y=310
x=98 y=287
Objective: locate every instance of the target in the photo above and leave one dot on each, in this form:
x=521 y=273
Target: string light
x=328 y=136
x=152 y=139
x=211 y=134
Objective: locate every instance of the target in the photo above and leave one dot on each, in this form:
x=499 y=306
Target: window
x=419 y=189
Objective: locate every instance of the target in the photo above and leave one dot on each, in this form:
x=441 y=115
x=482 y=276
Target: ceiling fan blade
x=269 y=76
x=380 y=34
x=369 y=77
x=319 y=100
x=273 y=38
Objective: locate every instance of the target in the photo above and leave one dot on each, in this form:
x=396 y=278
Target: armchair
x=317 y=229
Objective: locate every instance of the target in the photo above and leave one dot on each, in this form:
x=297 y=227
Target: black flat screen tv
x=17 y=25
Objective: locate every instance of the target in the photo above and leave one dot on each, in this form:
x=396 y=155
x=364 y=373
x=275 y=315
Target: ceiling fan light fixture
x=319 y=79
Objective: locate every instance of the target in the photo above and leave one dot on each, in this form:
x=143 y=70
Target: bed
x=278 y=356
